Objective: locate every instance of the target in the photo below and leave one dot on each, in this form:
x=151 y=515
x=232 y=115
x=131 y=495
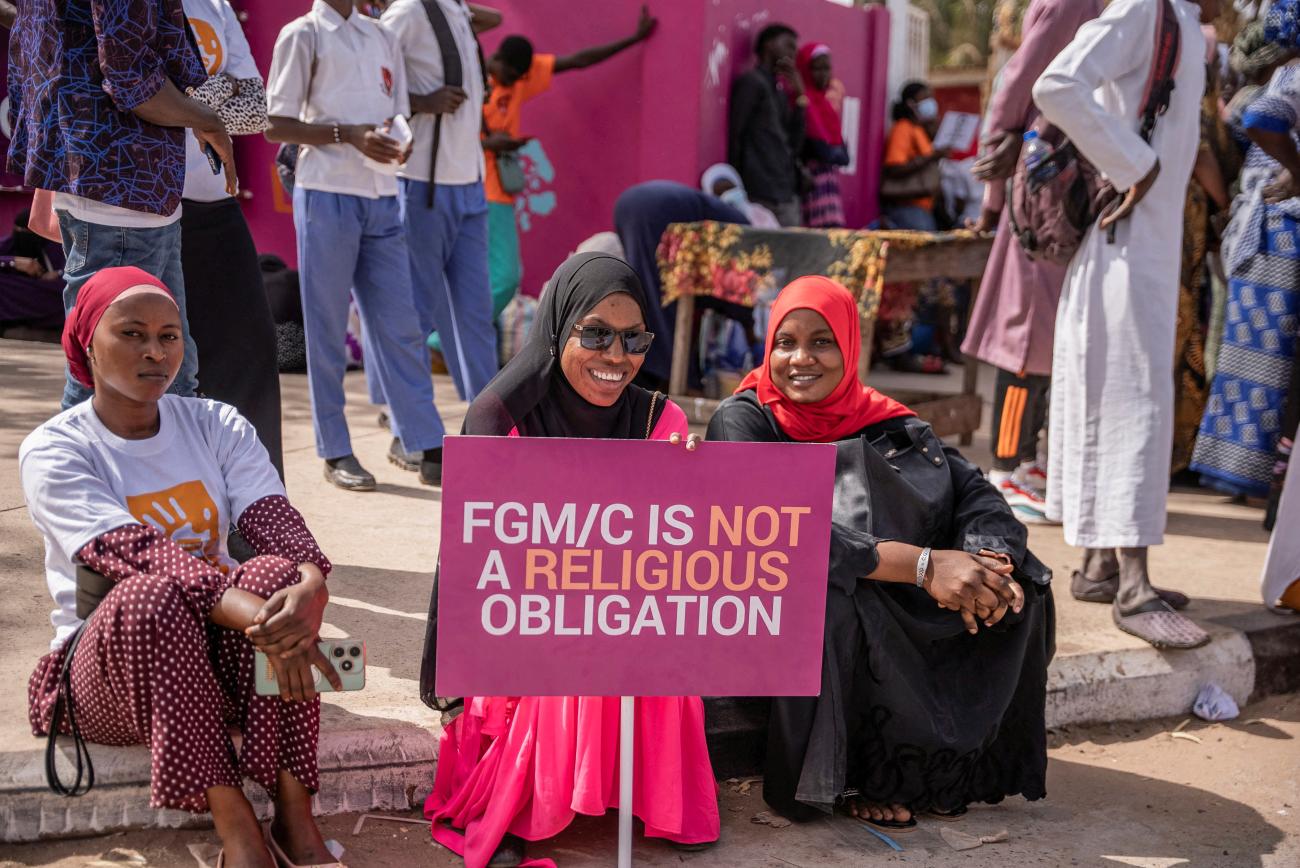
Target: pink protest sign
x=619 y=567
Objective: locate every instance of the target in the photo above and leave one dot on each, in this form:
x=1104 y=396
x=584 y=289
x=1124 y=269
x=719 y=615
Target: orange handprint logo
x=209 y=45
x=186 y=514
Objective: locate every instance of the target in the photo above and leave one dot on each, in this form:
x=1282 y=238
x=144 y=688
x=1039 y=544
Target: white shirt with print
x=192 y=480
x=224 y=49
x=360 y=78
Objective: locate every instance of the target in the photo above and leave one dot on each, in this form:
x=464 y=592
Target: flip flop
x=1160 y=626
x=285 y=862
x=1085 y=590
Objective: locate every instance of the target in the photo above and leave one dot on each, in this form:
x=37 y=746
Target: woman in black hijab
x=516 y=768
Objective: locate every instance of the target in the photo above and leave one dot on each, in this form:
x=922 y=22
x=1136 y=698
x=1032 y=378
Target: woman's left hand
x=289 y=622
x=692 y=441
x=1282 y=188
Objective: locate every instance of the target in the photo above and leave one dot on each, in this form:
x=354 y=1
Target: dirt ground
x=1131 y=794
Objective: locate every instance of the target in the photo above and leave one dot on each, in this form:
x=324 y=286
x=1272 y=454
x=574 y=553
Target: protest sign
x=618 y=567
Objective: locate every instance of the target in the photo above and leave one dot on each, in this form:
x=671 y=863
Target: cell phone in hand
x=213 y=159
x=347 y=656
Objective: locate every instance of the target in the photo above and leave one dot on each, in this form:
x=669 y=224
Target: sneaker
x=1031 y=477
x=1028 y=506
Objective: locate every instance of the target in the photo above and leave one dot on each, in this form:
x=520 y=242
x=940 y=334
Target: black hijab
x=532 y=394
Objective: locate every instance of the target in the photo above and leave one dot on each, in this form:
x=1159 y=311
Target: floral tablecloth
x=744 y=265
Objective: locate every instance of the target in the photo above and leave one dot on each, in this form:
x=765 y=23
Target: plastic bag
x=1214 y=704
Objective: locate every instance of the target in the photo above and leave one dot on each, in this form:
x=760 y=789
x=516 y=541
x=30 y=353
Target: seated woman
x=143 y=487
x=939 y=621
x=522 y=767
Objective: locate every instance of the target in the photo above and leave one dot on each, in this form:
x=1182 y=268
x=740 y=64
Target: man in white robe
x=1111 y=418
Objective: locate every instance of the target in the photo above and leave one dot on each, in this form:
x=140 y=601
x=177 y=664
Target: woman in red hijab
x=823 y=150
x=143 y=488
x=938 y=620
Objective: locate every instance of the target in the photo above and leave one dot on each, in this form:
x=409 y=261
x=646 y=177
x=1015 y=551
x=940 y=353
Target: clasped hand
x=287 y=629
x=978 y=586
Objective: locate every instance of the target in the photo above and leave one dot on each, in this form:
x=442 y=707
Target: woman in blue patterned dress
x=1236 y=446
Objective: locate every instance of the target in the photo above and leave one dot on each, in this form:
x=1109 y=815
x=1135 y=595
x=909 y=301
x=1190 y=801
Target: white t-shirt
x=360 y=78
x=191 y=480
x=224 y=49
x=460 y=149
x=103 y=214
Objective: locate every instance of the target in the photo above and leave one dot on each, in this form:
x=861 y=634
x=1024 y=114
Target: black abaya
x=913 y=709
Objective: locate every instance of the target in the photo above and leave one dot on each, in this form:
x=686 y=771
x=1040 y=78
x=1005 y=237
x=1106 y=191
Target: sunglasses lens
x=637 y=343
x=596 y=337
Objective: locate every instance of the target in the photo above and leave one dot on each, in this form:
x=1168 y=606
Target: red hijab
x=105 y=287
x=852 y=406
x=822 y=119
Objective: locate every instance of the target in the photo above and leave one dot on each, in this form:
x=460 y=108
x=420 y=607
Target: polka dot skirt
x=152 y=669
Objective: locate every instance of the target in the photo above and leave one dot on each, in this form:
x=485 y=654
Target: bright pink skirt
x=528 y=765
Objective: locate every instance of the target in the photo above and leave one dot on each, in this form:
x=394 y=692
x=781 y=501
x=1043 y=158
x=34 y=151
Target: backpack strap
x=453 y=75
x=1164 y=66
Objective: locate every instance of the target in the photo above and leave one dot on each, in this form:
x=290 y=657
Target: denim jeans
x=351 y=245
x=92 y=246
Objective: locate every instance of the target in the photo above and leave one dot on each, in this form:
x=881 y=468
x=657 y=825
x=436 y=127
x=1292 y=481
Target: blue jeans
x=350 y=245
x=449 y=269
x=90 y=247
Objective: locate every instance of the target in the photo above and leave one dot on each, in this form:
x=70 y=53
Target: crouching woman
x=143 y=488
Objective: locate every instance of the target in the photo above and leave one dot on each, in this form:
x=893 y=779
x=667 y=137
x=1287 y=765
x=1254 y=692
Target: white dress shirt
x=460 y=151
x=358 y=78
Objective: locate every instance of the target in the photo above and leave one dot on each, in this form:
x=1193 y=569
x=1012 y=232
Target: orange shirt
x=501 y=113
x=907 y=141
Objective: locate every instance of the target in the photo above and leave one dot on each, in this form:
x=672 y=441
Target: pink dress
x=528 y=765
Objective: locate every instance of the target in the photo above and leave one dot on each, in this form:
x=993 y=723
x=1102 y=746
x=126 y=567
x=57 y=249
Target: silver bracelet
x=922 y=567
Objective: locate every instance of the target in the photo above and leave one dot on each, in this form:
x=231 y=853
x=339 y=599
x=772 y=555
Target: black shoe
x=348 y=474
x=431 y=467
x=403 y=459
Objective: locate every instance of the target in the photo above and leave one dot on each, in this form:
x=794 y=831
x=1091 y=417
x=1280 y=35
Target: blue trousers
x=350 y=245
x=92 y=246
x=449 y=268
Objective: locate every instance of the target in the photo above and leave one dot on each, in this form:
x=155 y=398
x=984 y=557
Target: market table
x=740 y=264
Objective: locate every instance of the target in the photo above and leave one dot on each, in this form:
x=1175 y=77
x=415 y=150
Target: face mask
x=927 y=109
x=736 y=198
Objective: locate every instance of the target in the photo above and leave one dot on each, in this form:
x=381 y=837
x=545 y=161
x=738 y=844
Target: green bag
x=510 y=171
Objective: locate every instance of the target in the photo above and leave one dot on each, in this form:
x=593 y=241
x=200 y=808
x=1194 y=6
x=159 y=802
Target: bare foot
x=875 y=812
x=294 y=828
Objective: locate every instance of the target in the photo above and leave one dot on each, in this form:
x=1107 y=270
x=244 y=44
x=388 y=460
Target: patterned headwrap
x=1282 y=24
x=1253 y=51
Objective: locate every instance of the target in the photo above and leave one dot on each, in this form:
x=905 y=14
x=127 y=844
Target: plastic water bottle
x=1039 y=165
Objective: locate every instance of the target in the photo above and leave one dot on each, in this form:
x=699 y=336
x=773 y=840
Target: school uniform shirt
x=460 y=154
x=191 y=481
x=223 y=49
x=359 y=78
x=501 y=113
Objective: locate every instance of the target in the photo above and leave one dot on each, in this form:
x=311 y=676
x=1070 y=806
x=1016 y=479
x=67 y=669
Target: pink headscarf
x=105 y=287
x=823 y=121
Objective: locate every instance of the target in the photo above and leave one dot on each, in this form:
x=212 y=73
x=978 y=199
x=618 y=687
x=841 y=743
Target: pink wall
x=658 y=110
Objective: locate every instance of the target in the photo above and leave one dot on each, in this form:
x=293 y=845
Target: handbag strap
x=81 y=754
x=650 y=417
x=1164 y=66
x=453 y=75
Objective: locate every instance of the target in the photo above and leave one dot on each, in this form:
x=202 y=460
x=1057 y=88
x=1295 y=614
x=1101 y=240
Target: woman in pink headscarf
x=824 y=150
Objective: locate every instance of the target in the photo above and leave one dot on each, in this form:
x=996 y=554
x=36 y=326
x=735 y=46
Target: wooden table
x=959 y=257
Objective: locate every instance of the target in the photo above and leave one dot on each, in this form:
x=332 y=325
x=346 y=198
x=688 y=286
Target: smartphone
x=347 y=656
x=213 y=160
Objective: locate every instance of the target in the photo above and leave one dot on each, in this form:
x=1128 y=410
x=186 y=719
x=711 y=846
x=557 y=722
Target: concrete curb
x=378 y=768
x=392 y=766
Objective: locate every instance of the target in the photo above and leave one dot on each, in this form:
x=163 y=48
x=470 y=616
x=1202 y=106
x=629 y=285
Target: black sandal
x=947 y=816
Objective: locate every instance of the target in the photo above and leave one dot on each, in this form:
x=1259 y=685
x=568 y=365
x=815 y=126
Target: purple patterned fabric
x=76 y=70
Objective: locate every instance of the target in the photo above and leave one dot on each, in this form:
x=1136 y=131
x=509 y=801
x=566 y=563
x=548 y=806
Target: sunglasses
x=602 y=338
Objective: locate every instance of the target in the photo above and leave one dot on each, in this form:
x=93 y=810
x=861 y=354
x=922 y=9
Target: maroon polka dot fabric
x=152 y=669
